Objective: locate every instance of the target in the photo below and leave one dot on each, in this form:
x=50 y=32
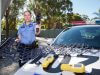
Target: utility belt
x=28 y=45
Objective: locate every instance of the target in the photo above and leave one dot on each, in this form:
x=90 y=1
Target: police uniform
x=27 y=42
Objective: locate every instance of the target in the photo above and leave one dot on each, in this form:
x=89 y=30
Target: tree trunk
x=7 y=22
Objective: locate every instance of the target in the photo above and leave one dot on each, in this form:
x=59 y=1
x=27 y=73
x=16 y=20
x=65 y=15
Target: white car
x=78 y=45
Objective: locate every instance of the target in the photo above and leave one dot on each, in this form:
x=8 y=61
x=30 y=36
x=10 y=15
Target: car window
x=89 y=33
x=85 y=35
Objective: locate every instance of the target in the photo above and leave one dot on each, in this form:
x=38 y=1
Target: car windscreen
x=89 y=36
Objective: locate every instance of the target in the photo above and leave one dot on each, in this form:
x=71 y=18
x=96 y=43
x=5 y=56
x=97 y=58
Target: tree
x=12 y=13
x=76 y=17
x=52 y=11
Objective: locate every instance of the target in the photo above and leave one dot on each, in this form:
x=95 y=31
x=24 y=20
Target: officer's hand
x=17 y=40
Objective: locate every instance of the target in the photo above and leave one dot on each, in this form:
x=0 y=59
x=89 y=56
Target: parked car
x=88 y=35
x=75 y=51
x=81 y=41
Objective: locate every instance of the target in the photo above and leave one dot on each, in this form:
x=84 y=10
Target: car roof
x=88 y=25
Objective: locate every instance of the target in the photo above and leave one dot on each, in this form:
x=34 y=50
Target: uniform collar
x=31 y=24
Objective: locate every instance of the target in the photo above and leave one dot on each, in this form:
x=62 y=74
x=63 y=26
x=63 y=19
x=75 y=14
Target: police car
x=75 y=51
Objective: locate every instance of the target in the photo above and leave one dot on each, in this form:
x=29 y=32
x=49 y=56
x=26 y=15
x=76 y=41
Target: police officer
x=26 y=37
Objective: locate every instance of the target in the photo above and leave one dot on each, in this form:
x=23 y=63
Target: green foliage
x=11 y=15
x=3 y=24
x=13 y=12
x=73 y=17
x=77 y=17
x=52 y=11
x=15 y=6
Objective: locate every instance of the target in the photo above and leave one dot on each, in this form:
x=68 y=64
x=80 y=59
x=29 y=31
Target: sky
x=86 y=7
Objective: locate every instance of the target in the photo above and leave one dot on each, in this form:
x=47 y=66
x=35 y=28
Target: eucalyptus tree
x=53 y=12
x=12 y=13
